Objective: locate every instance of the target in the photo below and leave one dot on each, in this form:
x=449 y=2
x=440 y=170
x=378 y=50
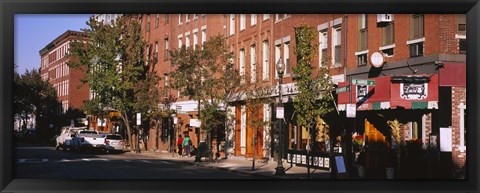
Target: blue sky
x=32 y=32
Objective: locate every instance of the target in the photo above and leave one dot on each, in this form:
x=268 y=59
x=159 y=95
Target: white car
x=114 y=142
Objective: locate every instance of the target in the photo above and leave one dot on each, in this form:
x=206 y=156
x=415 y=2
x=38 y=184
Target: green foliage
x=314 y=99
x=33 y=95
x=207 y=76
x=114 y=66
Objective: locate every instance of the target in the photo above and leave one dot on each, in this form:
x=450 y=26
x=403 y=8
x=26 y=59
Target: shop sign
x=351 y=110
x=413 y=91
x=195 y=123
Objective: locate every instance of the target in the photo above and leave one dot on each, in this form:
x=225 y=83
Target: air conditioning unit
x=384 y=18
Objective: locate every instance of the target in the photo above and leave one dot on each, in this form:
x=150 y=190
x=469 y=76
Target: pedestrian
x=179 y=144
x=186 y=145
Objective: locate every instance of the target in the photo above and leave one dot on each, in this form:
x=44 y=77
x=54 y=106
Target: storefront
x=391 y=113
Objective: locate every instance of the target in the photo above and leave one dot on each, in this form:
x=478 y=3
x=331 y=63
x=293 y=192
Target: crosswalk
x=64 y=160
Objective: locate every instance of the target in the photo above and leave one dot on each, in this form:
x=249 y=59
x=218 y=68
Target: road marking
x=44 y=160
x=146 y=161
x=84 y=159
x=21 y=160
x=64 y=160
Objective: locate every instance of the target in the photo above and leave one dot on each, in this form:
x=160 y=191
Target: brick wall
x=459 y=155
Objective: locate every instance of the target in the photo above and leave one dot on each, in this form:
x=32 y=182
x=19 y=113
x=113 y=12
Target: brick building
x=70 y=91
x=413 y=50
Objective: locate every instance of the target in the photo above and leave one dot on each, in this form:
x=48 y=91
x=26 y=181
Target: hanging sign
x=351 y=110
x=139 y=118
x=280 y=112
x=362 y=92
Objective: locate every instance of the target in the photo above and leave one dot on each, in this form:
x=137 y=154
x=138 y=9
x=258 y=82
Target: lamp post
x=280 y=170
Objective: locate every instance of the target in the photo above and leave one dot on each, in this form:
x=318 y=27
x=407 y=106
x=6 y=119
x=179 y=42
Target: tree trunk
x=129 y=132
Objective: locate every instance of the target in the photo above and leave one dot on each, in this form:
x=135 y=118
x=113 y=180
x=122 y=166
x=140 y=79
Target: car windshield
x=114 y=137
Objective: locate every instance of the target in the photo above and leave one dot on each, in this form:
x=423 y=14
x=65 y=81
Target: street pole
x=139 y=118
x=280 y=170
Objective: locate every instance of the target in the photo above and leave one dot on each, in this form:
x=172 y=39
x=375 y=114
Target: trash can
x=202 y=149
x=390 y=173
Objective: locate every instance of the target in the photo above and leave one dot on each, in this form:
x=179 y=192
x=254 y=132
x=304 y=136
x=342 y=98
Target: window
x=388 y=52
x=388 y=34
x=243 y=20
x=167 y=17
x=157 y=20
x=416 y=49
x=232 y=24
x=187 y=18
x=362 y=60
x=286 y=57
x=204 y=36
x=416 y=26
x=266 y=17
x=242 y=63
x=462 y=24
x=180 y=41
x=195 y=40
x=187 y=40
x=166 y=48
x=336 y=46
x=277 y=57
x=323 y=48
x=253 y=19
x=195 y=16
x=265 y=60
x=278 y=17
x=253 y=64
x=462 y=45
x=179 y=19
x=363 y=32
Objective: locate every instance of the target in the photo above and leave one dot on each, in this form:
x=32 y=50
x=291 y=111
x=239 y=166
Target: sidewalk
x=243 y=165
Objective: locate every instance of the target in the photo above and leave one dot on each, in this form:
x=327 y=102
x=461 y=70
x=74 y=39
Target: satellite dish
x=376 y=59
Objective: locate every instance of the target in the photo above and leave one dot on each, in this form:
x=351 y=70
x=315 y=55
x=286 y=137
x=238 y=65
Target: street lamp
x=280 y=170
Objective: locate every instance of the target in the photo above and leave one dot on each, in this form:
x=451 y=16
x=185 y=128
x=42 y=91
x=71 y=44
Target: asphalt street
x=37 y=162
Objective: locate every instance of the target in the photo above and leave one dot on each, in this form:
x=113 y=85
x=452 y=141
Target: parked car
x=87 y=140
x=114 y=142
x=65 y=137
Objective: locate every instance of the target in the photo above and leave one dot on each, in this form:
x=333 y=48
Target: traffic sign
x=363 y=82
x=343 y=89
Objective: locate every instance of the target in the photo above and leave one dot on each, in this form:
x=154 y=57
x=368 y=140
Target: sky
x=32 y=32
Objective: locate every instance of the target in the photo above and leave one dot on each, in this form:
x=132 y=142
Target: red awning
x=409 y=92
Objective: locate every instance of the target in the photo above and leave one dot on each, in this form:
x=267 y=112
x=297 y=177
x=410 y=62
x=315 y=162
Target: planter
x=390 y=173
x=361 y=171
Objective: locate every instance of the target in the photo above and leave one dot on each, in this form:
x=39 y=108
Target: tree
x=255 y=94
x=113 y=62
x=314 y=99
x=208 y=77
x=34 y=96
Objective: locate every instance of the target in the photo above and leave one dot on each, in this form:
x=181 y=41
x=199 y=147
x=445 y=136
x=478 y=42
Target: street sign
x=195 y=123
x=280 y=113
x=363 y=82
x=343 y=89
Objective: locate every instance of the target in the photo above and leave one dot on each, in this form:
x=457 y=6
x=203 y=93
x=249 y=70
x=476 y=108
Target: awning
x=390 y=92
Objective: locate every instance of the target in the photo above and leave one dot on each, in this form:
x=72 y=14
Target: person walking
x=186 y=145
x=179 y=145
